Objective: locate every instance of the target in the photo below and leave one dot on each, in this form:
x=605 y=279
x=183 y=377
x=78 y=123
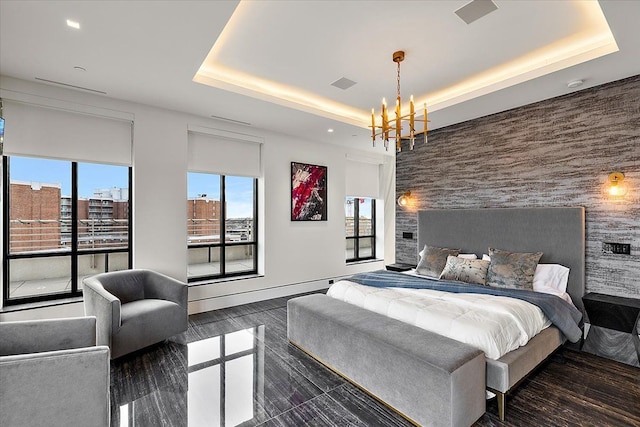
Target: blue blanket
x=562 y=314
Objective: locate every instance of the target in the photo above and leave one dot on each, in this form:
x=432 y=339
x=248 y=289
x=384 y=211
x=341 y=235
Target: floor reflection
x=217 y=381
x=226 y=378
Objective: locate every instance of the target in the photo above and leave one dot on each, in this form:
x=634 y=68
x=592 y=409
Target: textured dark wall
x=557 y=152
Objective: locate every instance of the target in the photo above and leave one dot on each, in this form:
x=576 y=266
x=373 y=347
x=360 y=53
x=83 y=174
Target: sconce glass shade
x=617 y=187
x=404 y=199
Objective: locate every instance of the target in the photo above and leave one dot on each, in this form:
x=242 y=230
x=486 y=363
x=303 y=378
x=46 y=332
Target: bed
x=556 y=232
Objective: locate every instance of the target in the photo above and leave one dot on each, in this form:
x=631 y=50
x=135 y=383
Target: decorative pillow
x=551 y=275
x=468 y=256
x=433 y=260
x=486 y=257
x=512 y=269
x=465 y=270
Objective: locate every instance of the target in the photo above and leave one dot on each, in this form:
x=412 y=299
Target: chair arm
x=35 y=336
x=104 y=306
x=83 y=375
x=159 y=286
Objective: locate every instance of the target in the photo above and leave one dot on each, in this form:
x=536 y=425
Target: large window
x=360 y=214
x=221 y=226
x=63 y=221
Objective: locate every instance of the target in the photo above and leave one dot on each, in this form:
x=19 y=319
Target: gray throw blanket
x=562 y=314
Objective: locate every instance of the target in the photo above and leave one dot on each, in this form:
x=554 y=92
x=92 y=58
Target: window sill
x=224 y=280
x=40 y=304
x=364 y=261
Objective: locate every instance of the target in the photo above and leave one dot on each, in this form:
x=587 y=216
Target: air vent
x=231 y=120
x=72 y=86
x=475 y=10
x=343 y=83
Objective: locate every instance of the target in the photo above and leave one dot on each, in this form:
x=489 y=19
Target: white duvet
x=493 y=324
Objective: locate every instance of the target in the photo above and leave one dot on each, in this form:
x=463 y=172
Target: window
x=63 y=221
x=217 y=206
x=360 y=226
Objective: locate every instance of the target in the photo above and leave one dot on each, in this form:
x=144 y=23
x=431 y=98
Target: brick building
x=41 y=219
x=34 y=216
x=203 y=220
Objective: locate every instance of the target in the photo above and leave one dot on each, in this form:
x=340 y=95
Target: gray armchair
x=53 y=374
x=135 y=308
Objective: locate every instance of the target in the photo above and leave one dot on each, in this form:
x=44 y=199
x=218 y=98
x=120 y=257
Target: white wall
x=295 y=256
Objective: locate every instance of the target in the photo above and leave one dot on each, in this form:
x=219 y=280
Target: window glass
x=364 y=218
x=203 y=208
x=217 y=202
x=360 y=228
x=366 y=247
x=239 y=203
x=349 y=208
x=103 y=206
x=239 y=258
x=29 y=277
x=46 y=256
x=38 y=218
x=203 y=261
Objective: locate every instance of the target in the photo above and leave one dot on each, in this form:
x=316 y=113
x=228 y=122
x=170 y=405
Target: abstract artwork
x=308 y=192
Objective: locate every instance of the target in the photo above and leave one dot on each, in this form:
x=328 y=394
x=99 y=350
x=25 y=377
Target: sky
x=96 y=176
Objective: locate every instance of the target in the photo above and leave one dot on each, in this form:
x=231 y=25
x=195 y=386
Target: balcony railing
x=37 y=235
x=203 y=231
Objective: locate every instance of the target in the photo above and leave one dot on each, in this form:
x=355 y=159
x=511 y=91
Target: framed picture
x=308 y=192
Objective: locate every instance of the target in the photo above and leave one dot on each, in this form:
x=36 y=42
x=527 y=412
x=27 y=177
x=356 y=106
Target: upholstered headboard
x=557 y=232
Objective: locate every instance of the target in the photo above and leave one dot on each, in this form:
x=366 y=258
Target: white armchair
x=53 y=374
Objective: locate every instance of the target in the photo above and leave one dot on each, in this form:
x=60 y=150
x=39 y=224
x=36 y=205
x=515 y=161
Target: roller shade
x=362 y=179
x=223 y=155
x=32 y=130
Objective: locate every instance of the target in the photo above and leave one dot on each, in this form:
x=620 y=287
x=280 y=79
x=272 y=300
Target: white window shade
x=36 y=131
x=362 y=179
x=223 y=155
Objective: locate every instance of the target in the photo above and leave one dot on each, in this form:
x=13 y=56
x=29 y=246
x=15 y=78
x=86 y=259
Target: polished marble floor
x=237 y=369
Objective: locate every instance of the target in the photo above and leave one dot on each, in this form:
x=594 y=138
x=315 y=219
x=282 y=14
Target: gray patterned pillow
x=433 y=260
x=511 y=269
x=465 y=270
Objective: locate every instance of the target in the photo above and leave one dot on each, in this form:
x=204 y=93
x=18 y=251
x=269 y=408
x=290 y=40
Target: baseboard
x=240 y=298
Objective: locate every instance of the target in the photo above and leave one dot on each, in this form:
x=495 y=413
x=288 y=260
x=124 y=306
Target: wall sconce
x=617 y=187
x=405 y=199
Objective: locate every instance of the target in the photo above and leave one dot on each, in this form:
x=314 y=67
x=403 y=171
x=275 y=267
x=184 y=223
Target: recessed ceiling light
x=79 y=68
x=73 y=24
x=330 y=130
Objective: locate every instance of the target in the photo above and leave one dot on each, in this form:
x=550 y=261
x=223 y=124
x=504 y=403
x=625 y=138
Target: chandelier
x=394 y=128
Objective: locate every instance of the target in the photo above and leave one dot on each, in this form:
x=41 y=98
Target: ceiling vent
x=231 y=120
x=475 y=10
x=71 y=86
x=343 y=83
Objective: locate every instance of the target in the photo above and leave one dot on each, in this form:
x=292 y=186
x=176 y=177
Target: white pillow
x=551 y=275
x=486 y=257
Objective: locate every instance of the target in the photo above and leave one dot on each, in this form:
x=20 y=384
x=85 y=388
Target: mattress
x=494 y=324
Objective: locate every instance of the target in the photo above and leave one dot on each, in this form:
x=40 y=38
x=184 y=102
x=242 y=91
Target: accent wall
x=557 y=152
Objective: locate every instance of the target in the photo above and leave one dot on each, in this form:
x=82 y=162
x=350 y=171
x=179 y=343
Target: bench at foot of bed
x=430 y=379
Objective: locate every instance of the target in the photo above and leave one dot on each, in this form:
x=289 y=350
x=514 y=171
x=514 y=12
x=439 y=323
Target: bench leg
x=502 y=402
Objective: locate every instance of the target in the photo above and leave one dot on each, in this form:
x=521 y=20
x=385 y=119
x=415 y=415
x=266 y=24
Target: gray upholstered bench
x=430 y=379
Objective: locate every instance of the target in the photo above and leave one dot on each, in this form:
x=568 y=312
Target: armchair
x=53 y=374
x=135 y=308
